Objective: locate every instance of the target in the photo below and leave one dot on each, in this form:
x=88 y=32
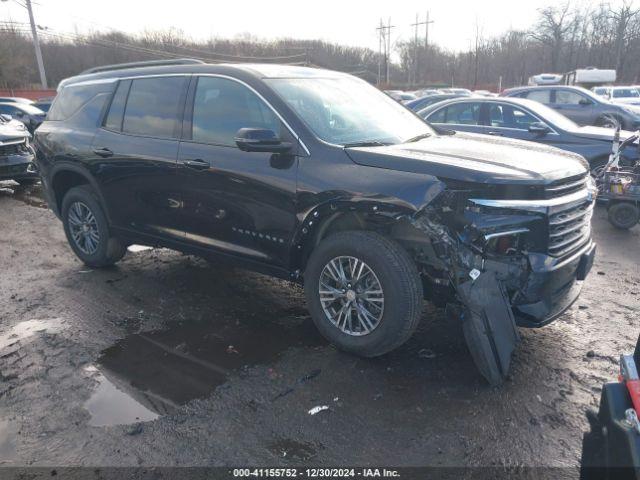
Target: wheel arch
x=66 y=176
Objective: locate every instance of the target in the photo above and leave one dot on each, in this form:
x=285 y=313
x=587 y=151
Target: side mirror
x=260 y=140
x=585 y=101
x=539 y=128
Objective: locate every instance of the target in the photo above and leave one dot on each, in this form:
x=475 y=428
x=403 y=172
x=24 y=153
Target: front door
x=235 y=202
x=574 y=105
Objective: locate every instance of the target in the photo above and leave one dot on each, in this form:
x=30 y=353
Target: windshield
x=625 y=93
x=346 y=110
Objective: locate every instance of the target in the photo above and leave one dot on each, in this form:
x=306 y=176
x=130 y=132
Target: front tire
x=87 y=229
x=623 y=215
x=364 y=292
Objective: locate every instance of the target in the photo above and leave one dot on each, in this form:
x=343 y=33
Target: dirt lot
x=167 y=360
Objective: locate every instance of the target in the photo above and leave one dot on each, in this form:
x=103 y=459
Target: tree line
x=562 y=38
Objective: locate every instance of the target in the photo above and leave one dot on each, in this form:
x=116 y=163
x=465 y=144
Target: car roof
x=256 y=70
x=522 y=102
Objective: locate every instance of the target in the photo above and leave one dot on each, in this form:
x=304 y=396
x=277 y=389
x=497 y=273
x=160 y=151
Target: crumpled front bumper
x=17 y=166
x=552 y=286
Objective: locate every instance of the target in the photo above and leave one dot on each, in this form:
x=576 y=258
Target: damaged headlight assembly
x=485 y=249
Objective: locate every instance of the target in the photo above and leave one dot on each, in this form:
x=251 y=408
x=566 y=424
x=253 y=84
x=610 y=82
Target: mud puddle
x=31 y=195
x=28 y=328
x=8 y=432
x=153 y=373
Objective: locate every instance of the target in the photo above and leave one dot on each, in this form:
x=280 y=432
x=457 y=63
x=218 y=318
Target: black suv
x=317 y=177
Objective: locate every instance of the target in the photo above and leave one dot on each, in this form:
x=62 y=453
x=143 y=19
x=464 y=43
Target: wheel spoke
x=351 y=295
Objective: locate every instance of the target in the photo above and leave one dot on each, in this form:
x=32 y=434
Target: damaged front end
x=506 y=261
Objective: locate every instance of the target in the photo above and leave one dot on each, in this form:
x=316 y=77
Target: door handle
x=196 y=164
x=496 y=134
x=103 y=152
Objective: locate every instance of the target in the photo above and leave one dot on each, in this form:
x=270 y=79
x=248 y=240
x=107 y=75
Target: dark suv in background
x=319 y=178
x=581 y=105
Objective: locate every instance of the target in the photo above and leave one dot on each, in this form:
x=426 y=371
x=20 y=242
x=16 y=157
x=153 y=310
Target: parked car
x=319 y=178
x=602 y=91
x=424 y=102
x=16 y=153
x=16 y=100
x=484 y=93
x=399 y=96
x=581 y=105
x=624 y=95
x=29 y=115
x=456 y=91
x=524 y=119
x=425 y=92
x=43 y=104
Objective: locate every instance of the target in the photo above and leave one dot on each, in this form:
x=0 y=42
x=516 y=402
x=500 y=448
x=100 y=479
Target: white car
x=625 y=95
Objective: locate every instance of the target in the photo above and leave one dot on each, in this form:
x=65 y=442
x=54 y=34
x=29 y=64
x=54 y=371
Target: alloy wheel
x=351 y=295
x=83 y=227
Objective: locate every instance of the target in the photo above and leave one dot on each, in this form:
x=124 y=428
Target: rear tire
x=380 y=278
x=623 y=215
x=87 y=229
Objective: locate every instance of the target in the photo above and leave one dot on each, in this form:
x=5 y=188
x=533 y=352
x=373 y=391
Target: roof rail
x=147 y=63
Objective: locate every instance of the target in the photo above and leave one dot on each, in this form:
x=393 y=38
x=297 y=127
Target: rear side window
x=462 y=114
x=221 y=107
x=542 y=96
x=72 y=98
x=154 y=106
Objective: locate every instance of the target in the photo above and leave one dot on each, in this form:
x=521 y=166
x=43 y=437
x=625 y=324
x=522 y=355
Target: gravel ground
x=167 y=360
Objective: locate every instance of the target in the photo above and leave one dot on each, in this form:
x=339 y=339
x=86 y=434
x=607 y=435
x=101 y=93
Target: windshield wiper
x=366 y=143
x=418 y=137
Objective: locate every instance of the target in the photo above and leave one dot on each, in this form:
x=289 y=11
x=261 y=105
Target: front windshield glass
x=625 y=93
x=346 y=110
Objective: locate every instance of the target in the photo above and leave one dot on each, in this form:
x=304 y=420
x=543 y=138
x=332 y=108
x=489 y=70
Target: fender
x=65 y=166
x=312 y=219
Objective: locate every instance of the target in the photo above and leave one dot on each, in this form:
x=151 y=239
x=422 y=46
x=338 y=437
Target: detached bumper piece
x=489 y=326
x=619 y=425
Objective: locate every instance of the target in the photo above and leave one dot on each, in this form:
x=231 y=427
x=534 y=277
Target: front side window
x=153 y=106
x=221 y=107
x=567 y=97
x=345 y=110
x=508 y=116
x=625 y=93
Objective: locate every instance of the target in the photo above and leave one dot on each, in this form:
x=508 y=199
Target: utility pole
x=380 y=35
x=416 y=56
x=426 y=40
x=36 y=43
x=388 y=52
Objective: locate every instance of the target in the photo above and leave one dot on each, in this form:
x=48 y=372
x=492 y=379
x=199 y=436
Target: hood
x=475 y=158
x=600 y=133
x=11 y=130
x=626 y=101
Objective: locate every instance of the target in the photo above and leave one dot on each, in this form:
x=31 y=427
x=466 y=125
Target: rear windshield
x=73 y=97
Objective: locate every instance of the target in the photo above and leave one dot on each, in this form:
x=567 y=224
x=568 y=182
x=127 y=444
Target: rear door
x=135 y=153
x=235 y=202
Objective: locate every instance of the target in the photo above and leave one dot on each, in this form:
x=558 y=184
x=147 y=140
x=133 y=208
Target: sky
x=349 y=22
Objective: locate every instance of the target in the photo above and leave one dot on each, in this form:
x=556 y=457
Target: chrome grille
x=570 y=228
x=566 y=186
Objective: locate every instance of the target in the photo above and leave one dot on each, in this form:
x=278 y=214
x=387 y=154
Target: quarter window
x=153 y=106
x=221 y=107
x=72 y=98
